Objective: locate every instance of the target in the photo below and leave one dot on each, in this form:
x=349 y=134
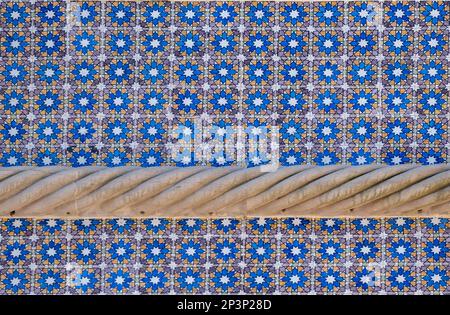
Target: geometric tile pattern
x=156 y=83
x=221 y=256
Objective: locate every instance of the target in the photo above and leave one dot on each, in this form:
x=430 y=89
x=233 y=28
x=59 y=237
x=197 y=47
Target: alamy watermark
x=222 y=145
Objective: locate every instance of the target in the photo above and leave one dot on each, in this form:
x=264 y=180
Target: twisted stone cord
x=305 y=190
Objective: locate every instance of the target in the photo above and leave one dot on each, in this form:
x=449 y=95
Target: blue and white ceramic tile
x=122 y=83
x=118 y=83
x=224 y=256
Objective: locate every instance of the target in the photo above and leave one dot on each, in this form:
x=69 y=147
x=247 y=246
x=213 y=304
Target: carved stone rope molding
x=308 y=191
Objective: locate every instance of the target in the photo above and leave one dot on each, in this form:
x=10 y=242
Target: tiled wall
x=112 y=83
x=120 y=83
x=287 y=256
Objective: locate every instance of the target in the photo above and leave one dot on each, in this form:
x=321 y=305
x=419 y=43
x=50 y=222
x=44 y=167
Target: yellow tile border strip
x=305 y=190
